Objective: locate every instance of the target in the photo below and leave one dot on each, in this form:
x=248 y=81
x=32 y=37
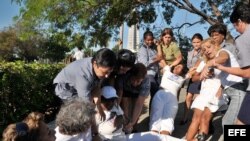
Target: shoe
x=211 y=128
x=183 y=122
x=201 y=137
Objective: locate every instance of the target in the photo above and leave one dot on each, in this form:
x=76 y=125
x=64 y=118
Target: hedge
x=25 y=88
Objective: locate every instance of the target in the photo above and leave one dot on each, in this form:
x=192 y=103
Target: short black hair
x=148 y=33
x=105 y=57
x=220 y=28
x=125 y=58
x=197 y=36
x=241 y=12
x=138 y=71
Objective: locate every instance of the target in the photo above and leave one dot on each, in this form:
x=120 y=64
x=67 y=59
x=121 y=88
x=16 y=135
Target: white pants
x=146 y=136
x=163 y=111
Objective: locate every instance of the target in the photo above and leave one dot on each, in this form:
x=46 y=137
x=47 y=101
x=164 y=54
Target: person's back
x=81 y=77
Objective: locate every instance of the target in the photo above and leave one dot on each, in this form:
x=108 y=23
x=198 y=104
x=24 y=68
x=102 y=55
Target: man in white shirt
x=78 y=54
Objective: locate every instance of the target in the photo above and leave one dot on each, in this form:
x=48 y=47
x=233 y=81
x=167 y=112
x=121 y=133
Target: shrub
x=25 y=88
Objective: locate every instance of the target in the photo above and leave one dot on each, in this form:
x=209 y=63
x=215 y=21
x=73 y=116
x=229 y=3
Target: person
x=113 y=124
x=210 y=88
x=32 y=128
x=232 y=85
x=74 y=122
x=193 y=87
x=81 y=77
x=168 y=50
x=165 y=104
x=125 y=61
x=16 y=132
x=135 y=88
x=147 y=55
x=219 y=32
x=240 y=17
x=78 y=54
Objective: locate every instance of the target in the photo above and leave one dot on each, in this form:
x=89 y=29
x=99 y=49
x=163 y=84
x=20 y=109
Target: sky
x=7 y=11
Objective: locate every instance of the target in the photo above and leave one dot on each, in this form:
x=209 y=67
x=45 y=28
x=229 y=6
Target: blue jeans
x=236 y=94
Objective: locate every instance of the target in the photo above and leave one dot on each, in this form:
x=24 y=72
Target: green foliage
x=25 y=88
x=14 y=46
x=87 y=23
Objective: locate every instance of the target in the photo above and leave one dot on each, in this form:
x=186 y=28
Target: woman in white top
x=204 y=107
x=165 y=104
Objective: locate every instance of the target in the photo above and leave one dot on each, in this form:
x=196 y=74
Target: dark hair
x=168 y=31
x=241 y=12
x=138 y=71
x=182 y=71
x=105 y=58
x=125 y=58
x=105 y=100
x=220 y=28
x=148 y=33
x=197 y=36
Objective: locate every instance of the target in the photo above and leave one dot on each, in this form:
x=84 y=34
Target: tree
x=14 y=45
x=8 y=42
x=98 y=20
x=13 y=48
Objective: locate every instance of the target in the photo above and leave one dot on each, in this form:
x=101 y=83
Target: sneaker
x=201 y=137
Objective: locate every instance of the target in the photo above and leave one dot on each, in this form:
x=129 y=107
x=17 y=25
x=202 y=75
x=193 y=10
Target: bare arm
x=136 y=112
x=177 y=60
x=159 y=52
x=138 y=108
x=220 y=59
x=242 y=72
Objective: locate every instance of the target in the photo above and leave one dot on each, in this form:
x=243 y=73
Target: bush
x=25 y=88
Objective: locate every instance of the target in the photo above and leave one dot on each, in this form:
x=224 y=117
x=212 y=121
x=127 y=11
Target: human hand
x=128 y=128
x=101 y=113
x=216 y=65
x=118 y=121
x=207 y=72
x=191 y=72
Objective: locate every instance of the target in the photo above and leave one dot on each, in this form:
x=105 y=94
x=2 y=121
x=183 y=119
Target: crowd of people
x=102 y=97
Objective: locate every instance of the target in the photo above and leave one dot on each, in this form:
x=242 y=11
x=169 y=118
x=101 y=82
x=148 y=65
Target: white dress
x=209 y=89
